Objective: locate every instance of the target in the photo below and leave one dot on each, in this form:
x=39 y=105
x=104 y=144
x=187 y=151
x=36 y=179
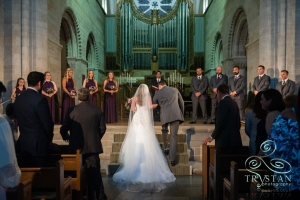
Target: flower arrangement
x=49 y=90
x=92 y=88
x=73 y=93
x=128 y=104
x=112 y=87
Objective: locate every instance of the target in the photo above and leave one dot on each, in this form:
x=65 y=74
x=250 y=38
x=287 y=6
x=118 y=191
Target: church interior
x=136 y=38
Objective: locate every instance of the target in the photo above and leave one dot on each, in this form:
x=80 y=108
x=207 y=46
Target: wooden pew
x=20 y=192
x=220 y=169
x=44 y=179
x=238 y=183
x=207 y=159
x=73 y=164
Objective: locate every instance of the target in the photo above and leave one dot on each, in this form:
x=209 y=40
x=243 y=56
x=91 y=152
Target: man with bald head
x=215 y=82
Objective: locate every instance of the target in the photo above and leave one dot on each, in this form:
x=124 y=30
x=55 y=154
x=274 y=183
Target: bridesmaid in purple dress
x=17 y=91
x=110 y=88
x=91 y=84
x=69 y=92
x=49 y=90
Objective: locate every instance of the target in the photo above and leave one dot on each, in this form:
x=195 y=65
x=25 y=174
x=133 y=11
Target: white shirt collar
x=261 y=75
x=33 y=89
x=225 y=96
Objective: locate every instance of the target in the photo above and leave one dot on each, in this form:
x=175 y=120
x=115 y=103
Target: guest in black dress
x=91 y=84
x=69 y=92
x=110 y=88
x=17 y=91
x=49 y=90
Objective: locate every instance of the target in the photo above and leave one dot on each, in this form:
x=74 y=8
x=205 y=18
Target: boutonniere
x=239 y=76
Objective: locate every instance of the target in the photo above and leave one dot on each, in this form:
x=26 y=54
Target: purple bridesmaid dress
x=51 y=101
x=110 y=103
x=67 y=101
x=93 y=97
x=18 y=93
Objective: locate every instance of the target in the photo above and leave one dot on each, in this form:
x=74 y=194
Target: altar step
x=182 y=155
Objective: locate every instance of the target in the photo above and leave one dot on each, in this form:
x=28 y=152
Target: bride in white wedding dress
x=143 y=165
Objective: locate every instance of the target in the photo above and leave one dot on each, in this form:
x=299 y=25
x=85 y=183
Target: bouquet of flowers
x=73 y=93
x=112 y=87
x=127 y=104
x=49 y=90
x=92 y=88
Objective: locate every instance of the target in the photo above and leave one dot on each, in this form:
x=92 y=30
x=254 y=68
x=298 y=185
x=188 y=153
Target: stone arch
x=217 y=51
x=92 y=52
x=70 y=27
x=238 y=35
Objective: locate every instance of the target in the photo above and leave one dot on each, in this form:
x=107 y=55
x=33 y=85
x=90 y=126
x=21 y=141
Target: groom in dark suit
x=36 y=127
x=215 y=81
x=227 y=127
x=172 y=108
x=87 y=126
x=285 y=86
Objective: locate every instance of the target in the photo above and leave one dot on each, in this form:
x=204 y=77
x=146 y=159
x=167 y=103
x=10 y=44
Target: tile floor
x=184 y=188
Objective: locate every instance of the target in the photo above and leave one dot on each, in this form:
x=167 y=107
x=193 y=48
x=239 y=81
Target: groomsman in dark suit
x=87 y=127
x=237 y=85
x=199 y=85
x=36 y=127
x=154 y=88
x=285 y=86
x=227 y=127
x=262 y=81
x=215 y=81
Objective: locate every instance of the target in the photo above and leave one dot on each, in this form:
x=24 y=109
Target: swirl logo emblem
x=279 y=176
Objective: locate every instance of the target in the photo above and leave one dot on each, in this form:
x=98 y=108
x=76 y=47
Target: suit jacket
x=287 y=89
x=35 y=122
x=263 y=84
x=227 y=127
x=238 y=86
x=199 y=86
x=214 y=83
x=171 y=104
x=87 y=126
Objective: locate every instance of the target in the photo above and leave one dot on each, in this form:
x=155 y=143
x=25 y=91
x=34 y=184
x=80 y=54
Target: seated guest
x=253 y=116
x=290 y=102
x=9 y=171
x=285 y=140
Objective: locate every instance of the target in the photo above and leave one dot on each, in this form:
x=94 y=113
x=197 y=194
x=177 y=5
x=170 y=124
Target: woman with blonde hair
x=110 y=88
x=69 y=92
x=49 y=90
x=91 y=84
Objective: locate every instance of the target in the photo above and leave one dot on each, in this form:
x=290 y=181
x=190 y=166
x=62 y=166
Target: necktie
x=218 y=76
x=259 y=77
x=283 y=82
x=158 y=80
x=199 y=77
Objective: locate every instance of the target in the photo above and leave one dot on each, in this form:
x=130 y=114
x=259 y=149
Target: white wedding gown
x=143 y=165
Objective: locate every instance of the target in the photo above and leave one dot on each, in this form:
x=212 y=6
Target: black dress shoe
x=204 y=122
x=166 y=151
x=173 y=163
x=212 y=122
x=192 y=122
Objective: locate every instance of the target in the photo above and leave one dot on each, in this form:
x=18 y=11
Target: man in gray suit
x=171 y=112
x=87 y=126
x=227 y=127
x=285 y=86
x=237 y=85
x=262 y=81
x=199 y=85
x=215 y=81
